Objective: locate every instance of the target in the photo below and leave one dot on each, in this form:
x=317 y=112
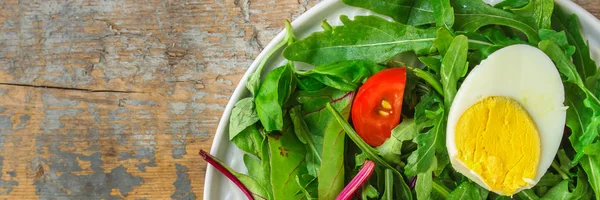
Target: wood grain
x=113 y=99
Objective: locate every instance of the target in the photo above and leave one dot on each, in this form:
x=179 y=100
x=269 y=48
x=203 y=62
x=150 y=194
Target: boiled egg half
x=507 y=120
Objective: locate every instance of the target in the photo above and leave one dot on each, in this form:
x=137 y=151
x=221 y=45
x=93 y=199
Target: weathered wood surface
x=113 y=99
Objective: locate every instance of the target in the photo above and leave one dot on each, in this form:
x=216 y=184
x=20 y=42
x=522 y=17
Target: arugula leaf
x=542 y=13
x=560 y=38
x=421 y=13
x=424 y=184
x=242 y=116
x=592 y=149
x=388 y=193
x=581 y=57
x=472 y=15
x=584 y=108
x=549 y=179
x=364 y=38
x=443 y=40
x=468 y=190
x=288 y=160
x=499 y=39
x=454 y=67
x=369 y=151
x=429 y=78
x=528 y=194
x=396 y=9
x=511 y=4
x=390 y=150
x=582 y=190
x=593 y=84
x=591 y=166
x=432 y=63
x=443 y=12
x=430 y=143
x=273 y=93
x=368 y=192
x=565 y=162
x=558 y=192
x=250 y=140
x=344 y=75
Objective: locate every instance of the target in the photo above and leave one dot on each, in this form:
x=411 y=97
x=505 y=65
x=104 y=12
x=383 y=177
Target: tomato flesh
x=377 y=107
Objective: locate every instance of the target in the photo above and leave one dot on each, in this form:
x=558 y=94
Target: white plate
x=217 y=186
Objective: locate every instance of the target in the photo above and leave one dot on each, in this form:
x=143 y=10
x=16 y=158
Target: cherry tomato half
x=378 y=104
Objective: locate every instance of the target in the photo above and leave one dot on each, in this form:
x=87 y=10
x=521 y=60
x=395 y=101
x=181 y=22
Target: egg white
x=527 y=75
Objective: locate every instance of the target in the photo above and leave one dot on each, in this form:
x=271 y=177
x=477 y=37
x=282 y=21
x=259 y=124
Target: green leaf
x=592 y=149
x=368 y=192
x=303 y=189
x=591 y=166
x=242 y=116
x=565 y=161
x=370 y=152
x=511 y=4
x=364 y=38
x=582 y=190
x=326 y=135
x=259 y=170
x=253 y=84
x=390 y=150
x=443 y=40
x=472 y=15
x=314 y=145
x=331 y=173
x=454 y=67
x=250 y=140
x=582 y=120
x=549 y=179
x=344 y=75
x=255 y=187
x=581 y=58
x=429 y=78
x=468 y=190
x=424 y=184
x=584 y=108
x=542 y=13
x=558 y=192
x=443 y=12
x=388 y=193
x=288 y=160
x=273 y=93
x=396 y=9
x=528 y=194
x=499 y=38
x=421 y=13
x=432 y=63
x=307 y=83
x=429 y=143
x=560 y=38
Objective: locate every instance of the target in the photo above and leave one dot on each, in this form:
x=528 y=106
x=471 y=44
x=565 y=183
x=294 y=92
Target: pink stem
x=363 y=175
x=213 y=161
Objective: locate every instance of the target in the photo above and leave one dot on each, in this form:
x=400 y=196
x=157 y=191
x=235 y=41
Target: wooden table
x=113 y=99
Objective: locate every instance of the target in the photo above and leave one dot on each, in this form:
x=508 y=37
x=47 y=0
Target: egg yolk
x=498 y=140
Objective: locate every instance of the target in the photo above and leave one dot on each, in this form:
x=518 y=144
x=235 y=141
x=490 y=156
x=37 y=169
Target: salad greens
x=295 y=127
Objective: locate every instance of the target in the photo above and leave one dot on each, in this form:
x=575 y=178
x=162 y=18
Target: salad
x=439 y=99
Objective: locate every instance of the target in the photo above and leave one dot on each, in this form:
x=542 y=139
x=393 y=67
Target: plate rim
x=240 y=90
